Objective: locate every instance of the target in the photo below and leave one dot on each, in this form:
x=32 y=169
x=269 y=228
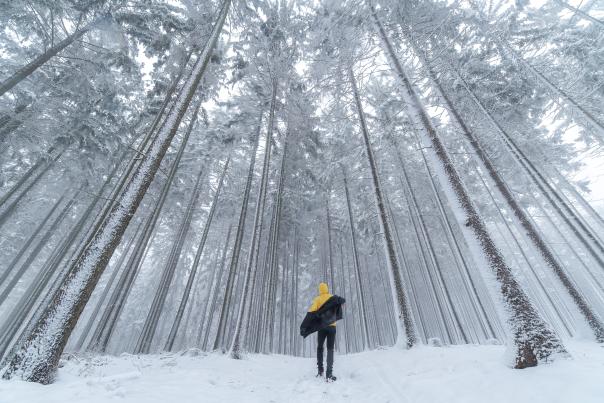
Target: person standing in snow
x=321 y=317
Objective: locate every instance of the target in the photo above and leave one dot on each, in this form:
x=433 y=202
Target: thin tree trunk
x=226 y=303
x=10 y=208
x=29 y=68
x=587 y=238
x=356 y=263
x=157 y=306
x=195 y=265
x=399 y=293
x=220 y=269
x=236 y=347
x=5 y=274
x=39 y=246
x=273 y=260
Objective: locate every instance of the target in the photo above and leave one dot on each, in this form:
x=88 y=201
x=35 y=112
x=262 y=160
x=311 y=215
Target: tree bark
x=196 y=260
x=399 y=293
x=236 y=347
x=28 y=69
x=220 y=334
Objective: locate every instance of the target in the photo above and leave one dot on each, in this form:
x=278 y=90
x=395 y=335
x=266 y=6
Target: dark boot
x=320 y=361
x=329 y=375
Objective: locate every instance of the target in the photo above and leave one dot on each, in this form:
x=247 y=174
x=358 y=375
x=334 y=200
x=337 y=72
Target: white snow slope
x=423 y=375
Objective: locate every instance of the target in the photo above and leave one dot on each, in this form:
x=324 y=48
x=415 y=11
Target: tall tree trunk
x=6 y=273
x=329 y=250
x=272 y=260
x=37 y=360
x=106 y=325
x=10 y=208
x=29 y=68
x=592 y=318
x=94 y=316
x=196 y=260
x=460 y=254
x=356 y=263
x=533 y=338
x=403 y=313
x=226 y=303
x=212 y=307
x=159 y=300
x=250 y=269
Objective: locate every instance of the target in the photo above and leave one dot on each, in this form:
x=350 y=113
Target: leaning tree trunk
x=44 y=164
x=592 y=318
x=274 y=264
x=209 y=314
x=8 y=210
x=8 y=269
x=236 y=347
x=157 y=306
x=534 y=339
x=38 y=359
x=220 y=334
x=399 y=293
x=28 y=69
x=106 y=325
x=195 y=264
x=33 y=254
x=356 y=264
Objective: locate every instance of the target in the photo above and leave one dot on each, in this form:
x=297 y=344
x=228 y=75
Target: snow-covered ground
x=426 y=374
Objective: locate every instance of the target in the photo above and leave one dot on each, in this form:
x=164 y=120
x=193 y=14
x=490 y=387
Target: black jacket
x=329 y=312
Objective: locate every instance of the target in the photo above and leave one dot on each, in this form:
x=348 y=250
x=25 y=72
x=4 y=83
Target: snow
x=423 y=374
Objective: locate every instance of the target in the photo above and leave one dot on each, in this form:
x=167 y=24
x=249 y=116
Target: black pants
x=328 y=333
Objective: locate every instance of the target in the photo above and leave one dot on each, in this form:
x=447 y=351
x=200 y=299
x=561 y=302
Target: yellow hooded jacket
x=320 y=299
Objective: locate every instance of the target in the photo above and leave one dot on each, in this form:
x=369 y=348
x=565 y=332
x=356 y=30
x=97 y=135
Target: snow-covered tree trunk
x=533 y=338
x=592 y=318
x=250 y=269
x=196 y=260
x=35 y=64
x=220 y=269
x=398 y=289
x=10 y=201
x=37 y=360
x=220 y=339
x=356 y=264
x=157 y=306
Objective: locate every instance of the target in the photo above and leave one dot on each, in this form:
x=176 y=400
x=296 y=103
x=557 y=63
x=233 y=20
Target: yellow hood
x=323 y=289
